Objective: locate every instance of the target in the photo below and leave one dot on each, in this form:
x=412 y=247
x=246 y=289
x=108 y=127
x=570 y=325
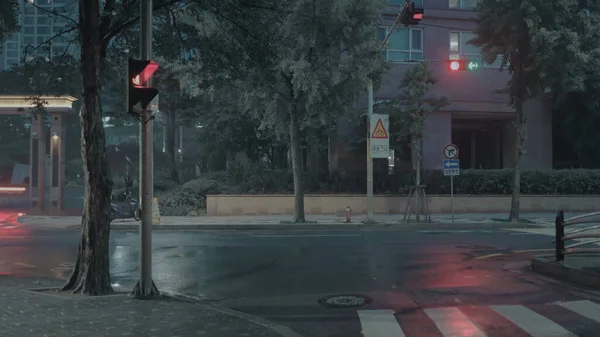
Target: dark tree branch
x=50 y=39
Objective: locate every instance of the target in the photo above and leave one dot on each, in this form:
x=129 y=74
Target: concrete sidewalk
x=579 y=269
x=28 y=313
x=472 y=220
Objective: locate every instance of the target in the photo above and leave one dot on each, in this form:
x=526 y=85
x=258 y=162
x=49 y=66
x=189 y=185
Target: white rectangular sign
x=380 y=135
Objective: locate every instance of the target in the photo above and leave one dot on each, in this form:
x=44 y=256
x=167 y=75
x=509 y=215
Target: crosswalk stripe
x=379 y=323
x=452 y=322
x=531 y=322
x=584 y=308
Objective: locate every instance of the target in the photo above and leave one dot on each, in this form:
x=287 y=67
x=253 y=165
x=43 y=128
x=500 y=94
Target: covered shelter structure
x=45 y=185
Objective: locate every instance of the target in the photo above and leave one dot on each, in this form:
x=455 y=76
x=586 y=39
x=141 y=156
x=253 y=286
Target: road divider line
x=303 y=235
x=379 y=323
x=488 y=256
x=534 y=250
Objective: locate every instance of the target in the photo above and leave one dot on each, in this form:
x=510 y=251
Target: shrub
x=189 y=198
x=576 y=181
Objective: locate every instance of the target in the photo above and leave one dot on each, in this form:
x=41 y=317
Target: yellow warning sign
x=379 y=132
x=155 y=212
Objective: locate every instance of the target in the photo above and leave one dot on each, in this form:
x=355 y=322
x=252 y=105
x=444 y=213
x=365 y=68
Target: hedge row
x=190 y=198
x=575 y=181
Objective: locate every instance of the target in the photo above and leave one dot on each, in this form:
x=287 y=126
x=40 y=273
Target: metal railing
x=561 y=237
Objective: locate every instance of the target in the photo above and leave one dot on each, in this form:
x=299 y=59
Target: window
x=418 y=3
x=28 y=30
x=461 y=50
x=12 y=54
x=29 y=20
x=463 y=4
x=404 y=44
x=43 y=20
x=43 y=30
x=29 y=10
x=12 y=45
x=28 y=40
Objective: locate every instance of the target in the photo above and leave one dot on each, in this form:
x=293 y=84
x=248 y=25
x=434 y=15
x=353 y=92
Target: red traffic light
x=418 y=16
x=454 y=65
x=141 y=71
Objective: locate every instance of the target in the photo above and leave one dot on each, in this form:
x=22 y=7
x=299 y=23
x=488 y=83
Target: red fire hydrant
x=348 y=213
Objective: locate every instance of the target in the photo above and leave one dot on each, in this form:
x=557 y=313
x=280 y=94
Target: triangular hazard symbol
x=379 y=132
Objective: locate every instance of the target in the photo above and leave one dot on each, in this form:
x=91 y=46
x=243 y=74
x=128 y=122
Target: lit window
x=404 y=44
x=463 y=4
x=461 y=50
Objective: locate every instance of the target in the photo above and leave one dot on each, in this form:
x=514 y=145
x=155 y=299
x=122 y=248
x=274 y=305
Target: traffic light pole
x=371 y=102
x=145 y=287
x=369 y=218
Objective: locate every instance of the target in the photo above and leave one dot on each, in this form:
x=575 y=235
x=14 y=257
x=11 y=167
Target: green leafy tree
x=532 y=38
x=99 y=23
x=411 y=107
x=322 y=55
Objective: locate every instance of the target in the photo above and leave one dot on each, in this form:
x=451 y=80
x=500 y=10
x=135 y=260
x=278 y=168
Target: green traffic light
x=473 y=65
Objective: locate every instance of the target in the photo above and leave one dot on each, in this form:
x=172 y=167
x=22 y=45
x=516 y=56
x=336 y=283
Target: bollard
x=559 y=236
x=348 y=213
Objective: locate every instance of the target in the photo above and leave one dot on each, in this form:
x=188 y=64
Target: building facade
x=40 y=33
x=478 y=119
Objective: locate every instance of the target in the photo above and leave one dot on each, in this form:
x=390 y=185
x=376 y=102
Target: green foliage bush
x=574 y=181
x=190 y=198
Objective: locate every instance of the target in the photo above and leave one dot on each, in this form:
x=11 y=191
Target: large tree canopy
x=533 y=37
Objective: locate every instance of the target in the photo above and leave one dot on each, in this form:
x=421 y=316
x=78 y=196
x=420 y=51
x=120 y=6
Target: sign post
x=380 y=140
x=451 y=167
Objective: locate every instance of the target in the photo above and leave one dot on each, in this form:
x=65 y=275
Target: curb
x=282 y=330
x=328 y=226
x=548 y=267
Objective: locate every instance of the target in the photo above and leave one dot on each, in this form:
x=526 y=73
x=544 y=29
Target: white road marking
x=584 y=308
x=452 y=322
x=302 y=235
x=379 y=323
x=531 y=322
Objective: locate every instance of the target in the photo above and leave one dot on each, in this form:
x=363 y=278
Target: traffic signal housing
x=463 y=65
x=411 y=15
x=140 y=94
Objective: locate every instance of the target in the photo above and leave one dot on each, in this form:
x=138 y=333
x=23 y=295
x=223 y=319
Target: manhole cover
x=344 y=301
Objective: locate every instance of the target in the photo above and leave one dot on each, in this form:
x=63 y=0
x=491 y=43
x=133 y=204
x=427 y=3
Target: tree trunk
x=417 y=199
x=521 y=136
x=171 y=130
x=296 y=165
x=91 y=275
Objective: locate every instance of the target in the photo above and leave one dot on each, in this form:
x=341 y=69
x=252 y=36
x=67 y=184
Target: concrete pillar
x=437 y=134
x=57 y=164
x=37 y=164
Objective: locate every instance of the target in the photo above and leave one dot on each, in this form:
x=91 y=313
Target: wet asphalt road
x=280 y=275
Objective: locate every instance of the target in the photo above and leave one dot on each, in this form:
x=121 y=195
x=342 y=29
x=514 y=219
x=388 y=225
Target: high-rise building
x=40 y=25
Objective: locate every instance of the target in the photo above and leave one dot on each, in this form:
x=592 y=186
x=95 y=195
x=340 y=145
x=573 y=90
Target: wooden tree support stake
x=417 y=205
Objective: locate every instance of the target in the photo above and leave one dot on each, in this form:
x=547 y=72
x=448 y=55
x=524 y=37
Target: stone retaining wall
x=335 y=204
